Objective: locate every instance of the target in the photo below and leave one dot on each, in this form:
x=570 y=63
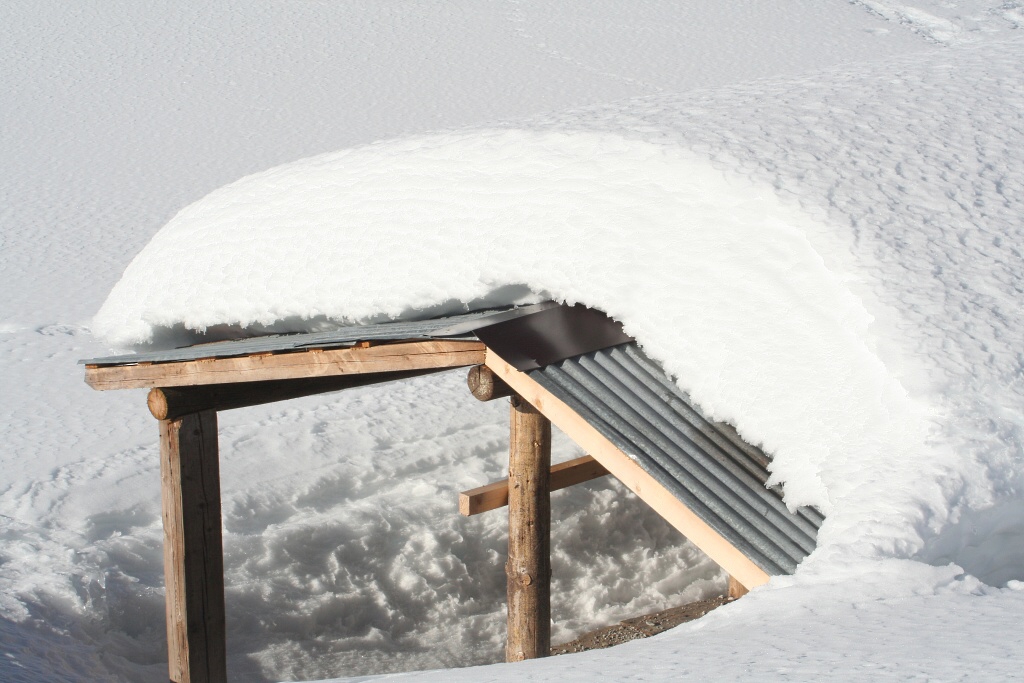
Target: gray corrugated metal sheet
x=706 y=465
x=449 y=327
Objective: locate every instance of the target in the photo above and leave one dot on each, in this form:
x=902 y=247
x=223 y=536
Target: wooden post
x=529 y=543
x=193 y=554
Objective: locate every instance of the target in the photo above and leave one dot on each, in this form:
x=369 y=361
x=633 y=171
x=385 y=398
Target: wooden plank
x=193 y=553
x=312 y=363
x=169 y=403
x=563 y=475
x=576 y=471
x=632 y=475
x=529 y=542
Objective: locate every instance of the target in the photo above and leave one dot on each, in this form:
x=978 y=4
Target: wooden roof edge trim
x=620 y=465
x=261 y=366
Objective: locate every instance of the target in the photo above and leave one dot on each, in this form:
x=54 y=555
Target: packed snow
x=823 y=243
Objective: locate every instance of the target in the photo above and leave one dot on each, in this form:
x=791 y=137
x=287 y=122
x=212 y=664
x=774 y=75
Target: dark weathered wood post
x=529 y=540
x=193 y=552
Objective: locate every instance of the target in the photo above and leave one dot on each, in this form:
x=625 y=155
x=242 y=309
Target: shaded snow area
x=809 y=211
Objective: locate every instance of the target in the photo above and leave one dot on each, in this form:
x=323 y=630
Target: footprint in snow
x=58 y=329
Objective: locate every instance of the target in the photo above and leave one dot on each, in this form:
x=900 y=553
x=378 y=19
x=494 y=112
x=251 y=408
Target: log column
x=193 y=552
x=529 y=541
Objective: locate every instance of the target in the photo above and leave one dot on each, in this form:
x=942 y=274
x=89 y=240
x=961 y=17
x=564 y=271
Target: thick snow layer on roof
x=712 y=274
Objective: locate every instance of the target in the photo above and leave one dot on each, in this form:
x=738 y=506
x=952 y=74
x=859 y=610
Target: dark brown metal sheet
x=533 y=341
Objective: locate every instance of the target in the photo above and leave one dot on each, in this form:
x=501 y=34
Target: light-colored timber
x=193 y=553
x=736 y=589
x=169 y=403
x=631 y=474
x=260 y=367
x=485 y=385
x=563 y=475
x=529 y=543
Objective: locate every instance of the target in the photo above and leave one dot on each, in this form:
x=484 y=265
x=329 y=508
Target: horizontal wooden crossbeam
x=398 y=357
x=563 y=475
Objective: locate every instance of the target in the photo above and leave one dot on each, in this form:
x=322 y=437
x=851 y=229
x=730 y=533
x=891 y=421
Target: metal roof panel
x=636 y=406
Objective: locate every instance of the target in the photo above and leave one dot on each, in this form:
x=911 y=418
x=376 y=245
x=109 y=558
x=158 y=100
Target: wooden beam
x=563 y=475
x=631 y=474
x=529 y=543
x=736 y=589
x=169 y=403
x=485 y=385
x=193 y=554
x=398 y=357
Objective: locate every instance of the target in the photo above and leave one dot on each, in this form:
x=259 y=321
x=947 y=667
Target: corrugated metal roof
x=706 y=465
x=448 y=327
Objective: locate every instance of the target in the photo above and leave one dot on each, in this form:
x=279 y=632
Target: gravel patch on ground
x=640 y=627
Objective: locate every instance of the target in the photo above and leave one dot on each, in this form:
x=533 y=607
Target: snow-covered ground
x=810 y=211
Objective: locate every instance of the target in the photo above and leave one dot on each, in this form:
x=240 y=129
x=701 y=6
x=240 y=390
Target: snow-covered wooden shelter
x=568 y=366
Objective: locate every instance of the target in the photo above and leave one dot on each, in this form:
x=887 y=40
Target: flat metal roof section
x=538 y=339
x=450 y=327
x=705 y=464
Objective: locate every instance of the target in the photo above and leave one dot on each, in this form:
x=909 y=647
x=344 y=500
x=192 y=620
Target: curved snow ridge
x=713 y=274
